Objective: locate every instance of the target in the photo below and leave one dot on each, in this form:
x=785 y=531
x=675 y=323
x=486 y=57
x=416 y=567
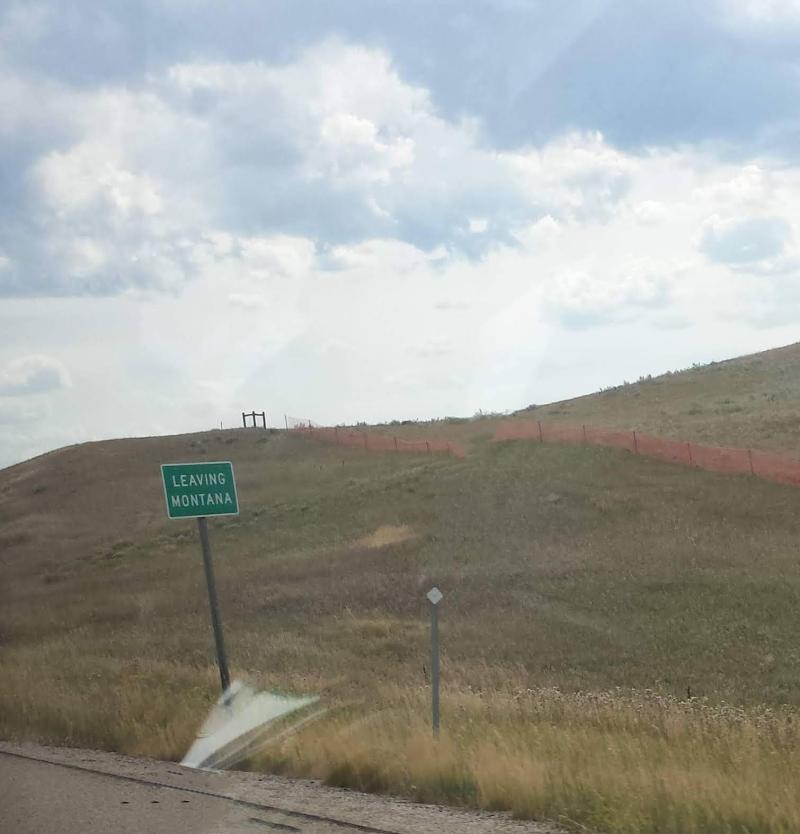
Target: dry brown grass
x=59 y=695
x=612 y=762
x=577 y=568
x=385 y=535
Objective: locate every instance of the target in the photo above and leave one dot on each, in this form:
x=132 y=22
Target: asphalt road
x=46 y=790
x=40 y=798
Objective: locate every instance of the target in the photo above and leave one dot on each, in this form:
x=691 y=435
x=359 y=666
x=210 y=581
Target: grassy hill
x=583 y=569
x=750 y=402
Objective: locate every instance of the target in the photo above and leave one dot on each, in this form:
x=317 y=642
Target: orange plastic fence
x=381 y=442
x=776 y=468
x=674 y=451
x=615 y=439
x=716 y=458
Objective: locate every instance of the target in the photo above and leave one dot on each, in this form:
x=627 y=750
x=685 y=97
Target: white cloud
x=382 y=257
x=329 y=78
x=743 y=241
x=248 y=301
x=584 y=295
x=91 y=175
x=749 y=187
x=33 y=374
x=277 y=255
x=763 y=11
x=579 y=175
x=435 y=348
x=109 y=221
x=333 y=244
x=650 y=212
x=85 y=256
x=540 y=234
x=331 y=149
x=450 y=306
x=351 y=149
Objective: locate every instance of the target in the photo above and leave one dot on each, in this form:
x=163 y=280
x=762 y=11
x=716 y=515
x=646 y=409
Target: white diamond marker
x=435 y=595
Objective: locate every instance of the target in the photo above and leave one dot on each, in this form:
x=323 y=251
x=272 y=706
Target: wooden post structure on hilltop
x=253 y=415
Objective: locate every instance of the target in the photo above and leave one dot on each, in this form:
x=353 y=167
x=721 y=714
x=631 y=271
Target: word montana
x=199 y=489
x=201 y=499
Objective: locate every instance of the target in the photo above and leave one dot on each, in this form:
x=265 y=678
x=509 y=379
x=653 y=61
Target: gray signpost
x=197 y=490
x=435 y=597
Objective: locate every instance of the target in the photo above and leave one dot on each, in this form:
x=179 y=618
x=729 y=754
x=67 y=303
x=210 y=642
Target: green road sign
x=193 y=490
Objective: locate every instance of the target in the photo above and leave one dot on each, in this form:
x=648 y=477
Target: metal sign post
x=216 y=622
x=197 y=490
x=435 y=597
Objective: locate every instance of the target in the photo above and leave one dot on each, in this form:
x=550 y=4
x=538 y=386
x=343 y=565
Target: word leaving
x=193 y=490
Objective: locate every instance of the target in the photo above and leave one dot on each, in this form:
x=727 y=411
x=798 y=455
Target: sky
x=349 y=210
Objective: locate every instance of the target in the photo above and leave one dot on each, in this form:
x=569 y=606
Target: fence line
x=298 y=422
x=380 y=442
x=724 y=459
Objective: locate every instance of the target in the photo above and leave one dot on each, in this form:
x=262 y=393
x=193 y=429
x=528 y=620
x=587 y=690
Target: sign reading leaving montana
x=199 y=489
